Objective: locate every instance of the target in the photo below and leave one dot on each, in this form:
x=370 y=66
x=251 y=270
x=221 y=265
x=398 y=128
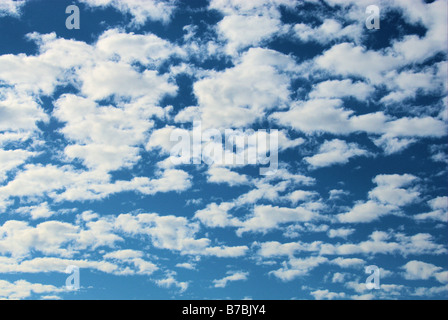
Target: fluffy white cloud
x=242 y=31
x=348 y=59
x=19 y=112
x=301 y=195
x=258 y=7
x=335 y=152
x=170 y=282
x=348 y=262
x=51 y=264
x=174 y=233
x=49 y=66
x=340 y=233
x=434 y=17
x=328 y=115
x=341 y=88
x=267 y=217
x=338 y=277
x=392 y=144
x=327 y=295
x=217 y=215
x=224 y=175
x=186 y=265
x=66 y=184
x=238 y=96
x=419 y=270
x=54 y=237
x=133 y=257
x=37 y=212
x=328 y=31
x=407 y=84
x=10 y=159
x=120 y=79
x=233 y=276
x=390 y=189
x=439 y=206
x=277 y=249
x=366 y=212
x=22 y=289
x=11 y=7
x=147 y=49
x=141 y=10
x=298 y=268
x=105 y=137
x=386 y=198
x=379 y=242
x=113 y=120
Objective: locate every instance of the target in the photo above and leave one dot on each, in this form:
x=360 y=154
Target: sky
x=88 y=176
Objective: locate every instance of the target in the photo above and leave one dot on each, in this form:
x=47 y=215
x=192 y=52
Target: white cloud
x=301 y=195
x=434 y=18
x=341 y=88
x=174 y=233
x=337 y=194
x=348 y=59
x=330 y=30
x=379 y=242
x=147 y=49
x=327 y=295
x=335 y=152
x=390 y=189
x=267 y=217
x=224 y=175
x=37 y=212
x=49 y=66
x=298 y=268
x=276 y=249
x=341 y=232
x=233 y=276
x=22 y=289
x=124 y=254
x=186 y=265
x=391 y=144
x=439 y=206
x=170 y=282
x=54 y=237
x=10 y=159
x=365 y=212
x=133 y=257
x=258 y=7
x=386 y=198
x=268 y=189
x=338 y=277
x=419 y=270
x=51 y=264
x=66 y=184
x=406 y=84
x=348 y=262
x=107 y=79
x=242 y=31
x=11 y=7
x=430 y=292
x=217 y=215
x=19 y=112
x=327 y=115
x=141 y=10
x=238 y=96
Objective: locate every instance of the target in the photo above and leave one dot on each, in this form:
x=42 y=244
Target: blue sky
x=86 y=171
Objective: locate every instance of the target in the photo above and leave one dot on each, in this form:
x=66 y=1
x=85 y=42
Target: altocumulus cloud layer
x=86 y=177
